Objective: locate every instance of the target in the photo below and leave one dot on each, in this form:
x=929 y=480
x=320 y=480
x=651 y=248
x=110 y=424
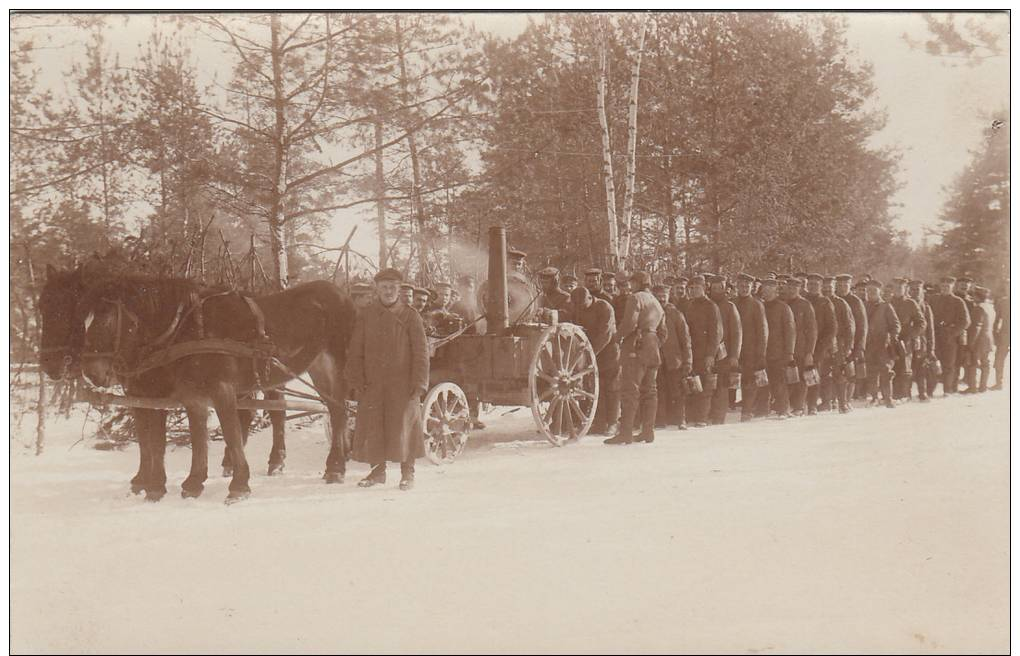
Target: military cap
x=641 y=278
x=593 y=271
x=682 y=279
x=865 y=277
x=769 y=282
x=404 y=286
x=660 y=289
x=549 y=272
x=698 y=280
x=916 y=283
x=442 y=285
x=783 y=277
x=669 y=280
x=964 y=279
x=359 y=288
x=389 y=274
x=844 y=276
x=828 y=279
x=860 y=284
x=720 y=277
x=609 y=275
x=421 y=291
x=814 y=276
x=569 y=277
x=794 y=281
x=801 y=275
x=772 y=275
x=514 y=254
x=981 y=292
x=900 y=281
x=873 y=283
x=745 y=277
x=949 y=279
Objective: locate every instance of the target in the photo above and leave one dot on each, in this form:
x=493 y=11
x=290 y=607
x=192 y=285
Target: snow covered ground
x=885 y=530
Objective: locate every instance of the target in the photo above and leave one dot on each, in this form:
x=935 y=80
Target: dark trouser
x=838 y=390
x=824 y=364
x=974 y=363
x=922 y=375
x=379 y=470
x=880 y=379
x=1001 y=351
x=778 y=393
x=638 y=394
x=798 y=390
x=903 y=375
x=670 y=389
x=607 y=411
x=698 y=404
x=748 y=393
x=720 y=402
x=947 y=352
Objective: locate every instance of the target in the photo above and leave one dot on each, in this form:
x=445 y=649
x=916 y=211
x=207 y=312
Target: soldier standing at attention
x=924 y=353
x=552 y=297
x=676 y=364
x=779 y=350
x=962 y=290
x=641 y=330
x=704 y=323
x=754 y=331
x=728 y=357
x=595 y=317
x=846 y=331
x=825 y=345
x=880 y=353
x=843 y=290
x=1000 y=331
x=951 y=322
x=807 y=338
x=388 y=368
x=979 y=340
x=912 y=326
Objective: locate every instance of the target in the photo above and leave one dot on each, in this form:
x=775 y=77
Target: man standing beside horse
x=388 y=367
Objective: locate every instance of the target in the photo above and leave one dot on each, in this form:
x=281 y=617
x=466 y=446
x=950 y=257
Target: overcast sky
x=936 y=111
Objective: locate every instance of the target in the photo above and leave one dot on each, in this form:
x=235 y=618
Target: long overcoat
x=705 y=324
x=883 y=329
x=388 y=367
x=806 y=326
x=754 y=331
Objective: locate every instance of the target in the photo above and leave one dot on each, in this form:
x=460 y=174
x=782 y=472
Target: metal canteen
x=811 y=376
x=792 y=374
x=761 y=378
x=849 y=370
x=693 y=385
x=862 y=371
x=734 y=380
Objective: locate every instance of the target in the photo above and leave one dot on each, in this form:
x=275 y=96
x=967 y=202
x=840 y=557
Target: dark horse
x=125 y=318
x=63 y=332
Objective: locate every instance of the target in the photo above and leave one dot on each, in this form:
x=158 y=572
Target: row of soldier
x=677 y=353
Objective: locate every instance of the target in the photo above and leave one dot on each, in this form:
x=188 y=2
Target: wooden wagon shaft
x=170 y=404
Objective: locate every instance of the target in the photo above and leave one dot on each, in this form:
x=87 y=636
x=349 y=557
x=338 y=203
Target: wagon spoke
x=583 y=392
x=570 y=417
x=581 y=374
x=546 y=395
x=570 y=352
x=546 y=377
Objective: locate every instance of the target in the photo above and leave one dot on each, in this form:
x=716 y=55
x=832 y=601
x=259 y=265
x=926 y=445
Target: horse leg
x=198 y=422
x=155 y=488
x=326 y=379
x=140 y=418
x=225 y=402
x=278 y=454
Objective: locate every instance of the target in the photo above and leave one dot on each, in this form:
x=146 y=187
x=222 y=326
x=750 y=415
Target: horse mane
x=153 y=299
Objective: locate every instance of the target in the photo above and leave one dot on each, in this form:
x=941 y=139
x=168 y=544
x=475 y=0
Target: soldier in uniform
x=609 y=286
x=622 y=295
x=678 y=293
x=440 y=321
x=728 y=357
x=641 y=330
x=951 y=322
x=879 y=352
x=407 y=294
x=552 y=297
x=962 y=289
x=422 y=298
x=807 y=339
x=846 y=329
x=844 y=291
x=676 y=364
x=361 y=294
x=593 y=281
x=779 y=351
x=825 y=344
x=595 y=316
x=467 y=306
x=979 y=340
x=705 y=324
x=912 y=326
x=924 y=351
x=754 y=331
x=569 y=282
x=1000 y=332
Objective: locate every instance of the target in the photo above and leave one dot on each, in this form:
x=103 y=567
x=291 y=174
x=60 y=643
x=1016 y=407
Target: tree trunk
x=380 y=193
x=607 y=159
x=277 y=235
x=40 y=402
x=417 y=206
x=628 y=194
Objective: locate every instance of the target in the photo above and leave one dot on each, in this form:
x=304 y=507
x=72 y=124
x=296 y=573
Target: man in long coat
x=924 y=353
x=807 y=338
x=1000 y=332
x=844 y=286
x=705 y=324
x=913 y=323
x=754 y=332
x=880 y=352
x=641 y=330
x=825 y=344
x=779 y=350
x=728 y=357
x=388 y=368
x=595 y=316
x=676 y=364
x=951 y=322
x=979 y=340
x=846 y=328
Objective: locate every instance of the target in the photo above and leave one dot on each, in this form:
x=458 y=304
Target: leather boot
x=649 y=408
x=407 y=475
x=376 y=477
x=628 y=410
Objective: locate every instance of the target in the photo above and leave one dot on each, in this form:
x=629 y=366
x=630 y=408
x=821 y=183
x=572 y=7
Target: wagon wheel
x=447 y=421
x=564 y=383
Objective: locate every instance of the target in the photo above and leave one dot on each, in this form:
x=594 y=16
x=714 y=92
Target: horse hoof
x=234 y=497
x=137 y=488
x=228 y=472
x=275 y=468
x=153 y=496
x=191 y=493
x=333 y=478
